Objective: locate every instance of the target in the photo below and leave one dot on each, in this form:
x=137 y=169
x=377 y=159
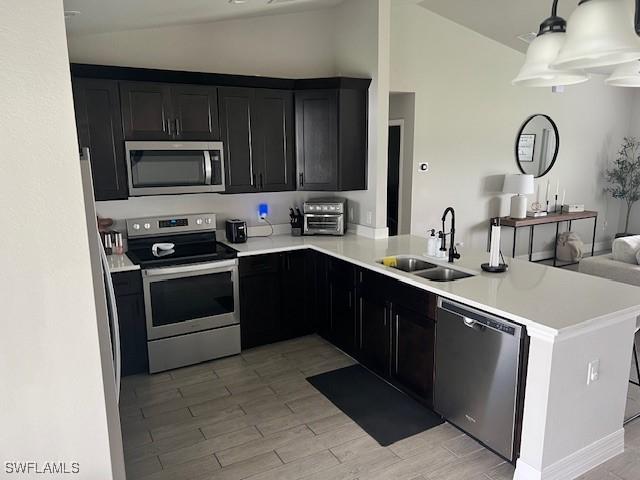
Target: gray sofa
x=605 y=266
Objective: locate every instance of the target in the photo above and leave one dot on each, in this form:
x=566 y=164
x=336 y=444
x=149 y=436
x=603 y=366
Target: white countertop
x=549 y=301
x=121 y=263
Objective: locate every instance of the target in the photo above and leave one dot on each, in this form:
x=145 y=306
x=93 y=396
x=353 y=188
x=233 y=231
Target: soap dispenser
x=432 y=243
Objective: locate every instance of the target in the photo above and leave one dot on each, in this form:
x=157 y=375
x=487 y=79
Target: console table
x=557 y=218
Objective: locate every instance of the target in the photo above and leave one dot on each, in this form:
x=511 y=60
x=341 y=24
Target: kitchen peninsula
x=572 y=321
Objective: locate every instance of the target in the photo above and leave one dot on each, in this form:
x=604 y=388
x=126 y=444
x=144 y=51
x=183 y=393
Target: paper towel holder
x=501 y=268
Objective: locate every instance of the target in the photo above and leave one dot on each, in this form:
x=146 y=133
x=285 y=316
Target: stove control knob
x=208 y=221
x=147 y=226
x=136 y=226
x=198 y=221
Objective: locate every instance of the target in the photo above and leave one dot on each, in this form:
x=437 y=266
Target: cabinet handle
x=169 y=127
x=396 y=335
x=177 y=127
x=253 y=179
x=261 y=183
x=301 y=179
x=350 y=300
x=361 y=323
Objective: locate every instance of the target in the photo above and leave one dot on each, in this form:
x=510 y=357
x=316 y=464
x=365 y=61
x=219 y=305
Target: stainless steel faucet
x=453 y=253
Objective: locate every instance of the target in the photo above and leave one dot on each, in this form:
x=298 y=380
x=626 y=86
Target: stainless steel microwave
x=169 y=168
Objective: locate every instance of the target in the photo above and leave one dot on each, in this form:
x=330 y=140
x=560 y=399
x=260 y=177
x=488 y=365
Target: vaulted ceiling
x=97 y=16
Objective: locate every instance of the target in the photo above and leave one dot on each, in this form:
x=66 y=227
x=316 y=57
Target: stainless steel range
x=190 y=284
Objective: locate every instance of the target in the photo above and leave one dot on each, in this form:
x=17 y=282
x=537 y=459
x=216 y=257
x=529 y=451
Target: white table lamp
x=520 y=185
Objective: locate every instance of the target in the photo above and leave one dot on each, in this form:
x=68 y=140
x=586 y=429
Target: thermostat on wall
x=423 y=167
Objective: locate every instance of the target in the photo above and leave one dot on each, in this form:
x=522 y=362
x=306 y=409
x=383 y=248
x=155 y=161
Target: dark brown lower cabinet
x=131 y=319
x=342 y=306
x=274 y=297
x=413 y=342
x=374 y=334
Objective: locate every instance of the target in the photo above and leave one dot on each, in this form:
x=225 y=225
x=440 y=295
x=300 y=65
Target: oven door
x=323 y=224
x=190 y=298
x=166 y=168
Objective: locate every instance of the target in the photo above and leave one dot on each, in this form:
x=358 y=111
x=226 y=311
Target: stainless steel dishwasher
x=477 y=382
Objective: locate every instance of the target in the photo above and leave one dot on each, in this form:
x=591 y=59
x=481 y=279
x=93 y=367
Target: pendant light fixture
x=543 y=51
x=627 y=75
x=601 y=33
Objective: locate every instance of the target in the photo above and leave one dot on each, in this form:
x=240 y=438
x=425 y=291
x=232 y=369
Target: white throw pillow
x=625 y=249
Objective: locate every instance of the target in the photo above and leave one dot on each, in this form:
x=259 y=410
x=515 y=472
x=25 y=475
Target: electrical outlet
x=351 y=215
x=369 y=218
x=593 y=372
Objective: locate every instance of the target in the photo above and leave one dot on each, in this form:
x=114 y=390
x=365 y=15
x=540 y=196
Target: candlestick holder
x=555 y=205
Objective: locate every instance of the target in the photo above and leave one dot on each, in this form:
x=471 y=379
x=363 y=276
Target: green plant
x=624 y=176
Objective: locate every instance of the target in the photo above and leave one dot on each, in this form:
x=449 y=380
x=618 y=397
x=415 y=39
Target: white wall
x=291 y=46
x=53 y=404
x=467 y=118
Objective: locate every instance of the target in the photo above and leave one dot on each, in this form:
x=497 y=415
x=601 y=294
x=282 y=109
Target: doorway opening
x=396 y=131
x=400 y=163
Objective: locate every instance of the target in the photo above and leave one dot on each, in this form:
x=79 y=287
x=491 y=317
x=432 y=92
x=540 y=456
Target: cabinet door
x=133 y=334
x=374 y=335
x=295 y=295
x=146 y=111
x=342 y=316
x=273 y=134
x=316 y=139
x=260 y=300
x=235 y=109
x=97 y=106
x=413 y=351
x=195 y=112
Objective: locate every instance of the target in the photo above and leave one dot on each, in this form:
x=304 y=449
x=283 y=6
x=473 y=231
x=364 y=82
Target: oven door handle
x=207 y=167
x=223 y=265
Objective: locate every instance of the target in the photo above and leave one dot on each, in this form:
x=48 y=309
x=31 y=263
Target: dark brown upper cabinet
x=161 y=111
x=257 y=132
x=331 y=139
x=195 y=112
x=97 y=107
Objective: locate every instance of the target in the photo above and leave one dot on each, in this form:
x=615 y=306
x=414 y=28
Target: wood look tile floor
x=254 y=416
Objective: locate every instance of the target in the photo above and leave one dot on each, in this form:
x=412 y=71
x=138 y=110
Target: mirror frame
x=555 y=154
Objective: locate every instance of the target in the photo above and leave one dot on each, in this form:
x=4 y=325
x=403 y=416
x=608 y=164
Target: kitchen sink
x=421 y=268
x=442 y=274
x=411 y=264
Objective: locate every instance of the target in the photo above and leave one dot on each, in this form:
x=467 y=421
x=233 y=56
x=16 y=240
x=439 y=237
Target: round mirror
x=537 y=145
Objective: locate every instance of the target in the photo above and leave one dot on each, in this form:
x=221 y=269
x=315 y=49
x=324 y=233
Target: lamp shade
x=627 y=75
x=537 y=71
x=600 y=33
x=518 y=183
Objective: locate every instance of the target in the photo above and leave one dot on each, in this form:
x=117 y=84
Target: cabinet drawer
x=415 y=299
x=127 y=283
x=342 y=272
x=259 y=264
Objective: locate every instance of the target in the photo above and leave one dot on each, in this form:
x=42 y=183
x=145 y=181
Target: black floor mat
x=385 y=413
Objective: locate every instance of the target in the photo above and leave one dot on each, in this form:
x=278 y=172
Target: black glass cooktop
x=190 y=248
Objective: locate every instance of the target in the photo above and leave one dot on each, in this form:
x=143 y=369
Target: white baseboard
x=577 y=463
x=599 y=247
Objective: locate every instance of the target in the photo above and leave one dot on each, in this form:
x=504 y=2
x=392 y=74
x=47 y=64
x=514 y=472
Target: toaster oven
x=325 y=217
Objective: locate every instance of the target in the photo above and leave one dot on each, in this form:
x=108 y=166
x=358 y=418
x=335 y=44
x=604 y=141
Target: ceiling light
x=601 y=33
x=537 y=70
x=237 y=2
x=627 y=75
x=527 y=37
x=71 y=13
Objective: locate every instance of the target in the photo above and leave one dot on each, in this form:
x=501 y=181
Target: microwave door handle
x=207 y=167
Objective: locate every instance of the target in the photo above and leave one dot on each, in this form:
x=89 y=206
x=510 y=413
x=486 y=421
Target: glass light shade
x=536 y=71
x=627 y=75
x=518 y=183
x=600 y=33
